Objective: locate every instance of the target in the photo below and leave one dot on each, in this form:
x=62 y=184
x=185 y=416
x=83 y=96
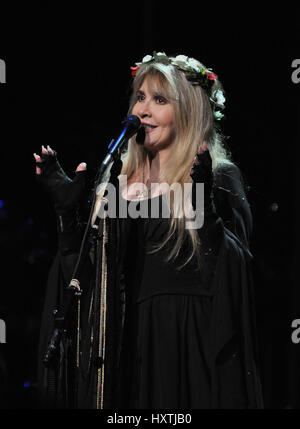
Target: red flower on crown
x=210 y=75
x=134 y=70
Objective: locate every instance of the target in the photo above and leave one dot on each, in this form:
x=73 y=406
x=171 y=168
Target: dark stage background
x=67 y=86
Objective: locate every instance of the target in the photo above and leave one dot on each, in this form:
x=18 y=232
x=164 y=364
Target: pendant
x=142 y=195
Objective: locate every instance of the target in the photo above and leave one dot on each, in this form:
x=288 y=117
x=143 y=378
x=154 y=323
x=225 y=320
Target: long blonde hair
x=195 y=126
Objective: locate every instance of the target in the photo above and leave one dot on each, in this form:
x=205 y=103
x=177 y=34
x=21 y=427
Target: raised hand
x=66 y=193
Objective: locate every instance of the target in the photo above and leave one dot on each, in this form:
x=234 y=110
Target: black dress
x=167 y=324
x=187 y=338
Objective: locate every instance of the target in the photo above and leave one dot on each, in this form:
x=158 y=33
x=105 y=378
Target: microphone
x=131 y=125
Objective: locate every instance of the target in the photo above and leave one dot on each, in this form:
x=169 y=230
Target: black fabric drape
x=233 y=349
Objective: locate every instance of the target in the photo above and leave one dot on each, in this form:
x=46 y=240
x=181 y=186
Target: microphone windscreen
x=134 y=121
x=132 y=124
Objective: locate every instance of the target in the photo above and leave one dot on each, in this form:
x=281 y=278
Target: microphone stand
x=132 y=124
x=63 y=321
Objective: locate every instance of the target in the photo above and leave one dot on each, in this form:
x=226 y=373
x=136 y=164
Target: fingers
x=39 y=159
x=81 y=166
x=48 y=150
x=202 y=149
x=80 y=176
x=196 y=160
x=45 y=152
x=201 y=162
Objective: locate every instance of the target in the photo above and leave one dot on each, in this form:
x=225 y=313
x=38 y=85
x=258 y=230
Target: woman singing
x=179 y=323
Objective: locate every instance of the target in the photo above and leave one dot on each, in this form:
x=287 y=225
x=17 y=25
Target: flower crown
x=195 y=72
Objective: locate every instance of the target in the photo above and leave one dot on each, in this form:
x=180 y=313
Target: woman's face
x=156 y=114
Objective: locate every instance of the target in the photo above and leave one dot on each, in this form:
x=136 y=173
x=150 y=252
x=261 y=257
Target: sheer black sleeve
x=69 y=236
x=231 y=202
